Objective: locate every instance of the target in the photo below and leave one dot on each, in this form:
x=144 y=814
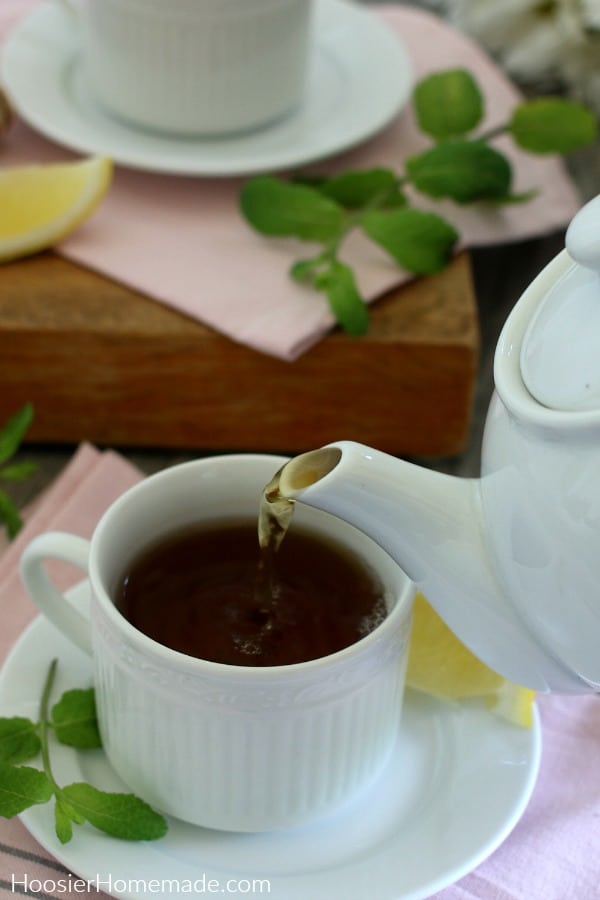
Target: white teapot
x=511 y=560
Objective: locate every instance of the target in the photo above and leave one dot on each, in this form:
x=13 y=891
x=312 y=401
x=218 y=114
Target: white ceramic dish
x=360 y=77
x=457 y=784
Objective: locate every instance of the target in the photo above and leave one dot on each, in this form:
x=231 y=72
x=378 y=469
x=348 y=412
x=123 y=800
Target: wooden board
x=103 y=363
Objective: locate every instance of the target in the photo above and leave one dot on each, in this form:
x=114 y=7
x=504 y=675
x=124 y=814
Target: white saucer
x=457 y=784
x=360 y=77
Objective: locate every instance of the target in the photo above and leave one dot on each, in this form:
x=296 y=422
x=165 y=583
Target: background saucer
x=360 y=77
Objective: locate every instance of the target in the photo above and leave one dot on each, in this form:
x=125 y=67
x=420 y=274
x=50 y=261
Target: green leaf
x=523 y=197
x=19 y=740
x=355 y=190
x=275 y=207
x=74 y=720
x=303 y=270
x=121 y=815
x=314 y=181
x=420 y=242
x=14 y=430
x=337 y=282
x=22 y=787
x=462 y=170
x=18 y=471
x=448 y=104
x=552 y=125
x=9 y=514
x=64 y=817
x=63 y=823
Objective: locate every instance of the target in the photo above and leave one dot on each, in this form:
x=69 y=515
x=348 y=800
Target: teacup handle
x=46 y=596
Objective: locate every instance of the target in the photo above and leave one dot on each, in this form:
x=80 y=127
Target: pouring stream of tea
x=274 y=517
x=275 y=514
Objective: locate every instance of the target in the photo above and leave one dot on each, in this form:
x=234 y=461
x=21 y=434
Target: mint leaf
x=64 y=817
x=552 y=125
x=73 y=717
x=420 y=242
x=9 y=515
x=22 y=787
x=462 y=170
x=448 y=104
x=303 y=270
x=280 y=209
x=354 y=190
x=121 y=815
x=314 y=181
x=523 y=197
x=19 y=740
x=461 y=166
x=63 y=824
x=13 y=432
x=74 y=720
x=18 y=471
x=337 y=282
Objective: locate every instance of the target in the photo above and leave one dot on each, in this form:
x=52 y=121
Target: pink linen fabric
x=553 y=853
x=74 y=502
x=183 y=242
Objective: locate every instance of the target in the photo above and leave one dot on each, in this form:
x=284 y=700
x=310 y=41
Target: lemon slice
x=41 y=204
x=441 y=665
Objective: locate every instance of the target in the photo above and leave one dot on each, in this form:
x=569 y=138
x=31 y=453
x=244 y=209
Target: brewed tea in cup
x=234 y=742
x=202 y=592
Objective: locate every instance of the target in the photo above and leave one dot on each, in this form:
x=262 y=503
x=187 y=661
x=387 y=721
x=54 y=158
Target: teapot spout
x=432 y=525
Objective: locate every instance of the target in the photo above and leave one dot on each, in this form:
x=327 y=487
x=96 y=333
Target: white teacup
x=201 y=67
x=229 y=747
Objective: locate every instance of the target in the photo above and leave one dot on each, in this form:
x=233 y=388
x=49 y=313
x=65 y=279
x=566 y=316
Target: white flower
x=591 y=13
x=538 y=41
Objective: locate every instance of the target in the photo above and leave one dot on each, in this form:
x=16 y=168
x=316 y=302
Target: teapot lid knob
x=583 y=236
x=560 y=355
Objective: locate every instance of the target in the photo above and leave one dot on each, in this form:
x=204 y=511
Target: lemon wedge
x=441 y=665
x=41 y=204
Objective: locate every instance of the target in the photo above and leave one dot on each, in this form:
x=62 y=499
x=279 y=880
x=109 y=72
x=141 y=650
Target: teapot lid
x=560 y=355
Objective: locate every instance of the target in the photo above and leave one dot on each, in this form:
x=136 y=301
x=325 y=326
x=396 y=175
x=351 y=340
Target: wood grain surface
x=103 y=363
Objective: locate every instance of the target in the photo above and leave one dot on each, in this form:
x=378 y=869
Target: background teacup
x=232 y=747
x=196 y=66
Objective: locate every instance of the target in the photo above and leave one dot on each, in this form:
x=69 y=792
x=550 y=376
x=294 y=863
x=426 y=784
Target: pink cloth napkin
x=183 y=242
x=552 y=854
x=74 y=502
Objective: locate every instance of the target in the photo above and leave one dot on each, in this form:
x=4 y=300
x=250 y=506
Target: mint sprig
x=460 y=166
x=19 y=740
x=73 y=720
x=11 y=435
